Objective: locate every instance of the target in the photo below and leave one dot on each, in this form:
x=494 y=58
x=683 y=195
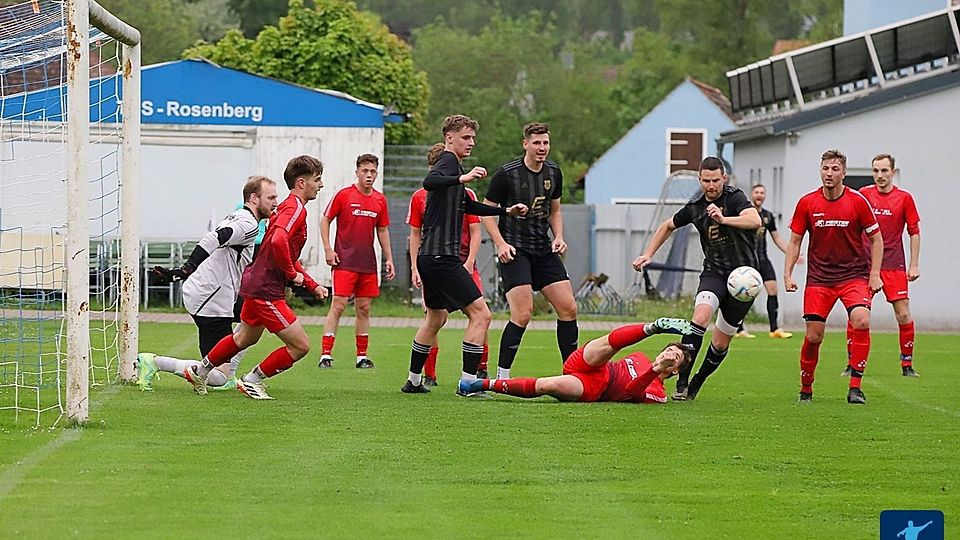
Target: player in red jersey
x=469 y=248
x=264 y=285
x=895 y=209
x=360 y=212
x=589 y=375
x=840 y=268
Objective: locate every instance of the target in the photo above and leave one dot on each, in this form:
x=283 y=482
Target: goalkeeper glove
x=172 y=275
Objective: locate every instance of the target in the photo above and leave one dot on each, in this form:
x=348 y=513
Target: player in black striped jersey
x=727 y=224
x=447 y=285
x=529 y=258
x=211 y=282
x=758 y=194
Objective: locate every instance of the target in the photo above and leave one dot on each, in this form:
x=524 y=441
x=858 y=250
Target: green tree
x=254 y=15
x=166 y=26
x=657 y=66
x=332 y=46
x=509 y=73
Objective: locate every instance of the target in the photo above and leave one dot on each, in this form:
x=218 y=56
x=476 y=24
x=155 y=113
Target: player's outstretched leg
x=519 y=387
x=146 y=371
x=668 y=325
x=296 y=345
x=711 y=361
x=692 y=341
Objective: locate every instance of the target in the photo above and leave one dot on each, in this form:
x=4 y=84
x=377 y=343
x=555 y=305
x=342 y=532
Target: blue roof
x=198 y=92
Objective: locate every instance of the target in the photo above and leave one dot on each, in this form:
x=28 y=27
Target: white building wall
x=921 y=134
x=191 y=177
x=338 y=149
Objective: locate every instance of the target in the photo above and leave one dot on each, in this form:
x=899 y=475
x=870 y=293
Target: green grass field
x=342 y=453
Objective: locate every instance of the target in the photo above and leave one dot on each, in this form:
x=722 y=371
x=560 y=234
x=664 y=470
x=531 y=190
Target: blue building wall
x=197 y=92
x=635 y=166
x=862 y=15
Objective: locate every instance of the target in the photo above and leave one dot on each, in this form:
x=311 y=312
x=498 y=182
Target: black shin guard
x=509 y=344
x=694 y=341
x=568 y=333
x=418 y=356
x=711 y=361
x=471 y=357
x=773 y=307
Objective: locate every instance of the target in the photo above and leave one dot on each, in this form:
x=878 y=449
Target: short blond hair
x=834 y=154
x=456 y=122
x=878 y=157
x=254 y=185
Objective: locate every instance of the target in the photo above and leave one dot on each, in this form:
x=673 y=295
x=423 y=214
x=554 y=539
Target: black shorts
x=212 y=330
x=733 y=310
x=766 y=270
x=532 y=269
x=446 y=283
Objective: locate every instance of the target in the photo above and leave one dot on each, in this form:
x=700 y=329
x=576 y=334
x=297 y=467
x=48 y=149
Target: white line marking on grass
x=900 y=397
x=11 y=478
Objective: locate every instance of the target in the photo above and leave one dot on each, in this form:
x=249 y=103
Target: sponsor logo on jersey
x=843 y=223
x=364 y=213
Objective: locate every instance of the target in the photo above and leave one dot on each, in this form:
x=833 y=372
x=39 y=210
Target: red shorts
x=361 y=284
x=594 y=378
x=894 y=284
x=477 y=279
x=818 y=300
x=275 y=315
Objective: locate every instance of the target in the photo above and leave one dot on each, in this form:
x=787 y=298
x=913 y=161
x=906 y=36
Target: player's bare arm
x=792 y=255
x=748 y=219
x=876 y=257
x=414 y=250
x=659 y=237
x=475 y=173
x=781 y=245
x=475 y=239
x=329 y=254
x=383 y=236
x=505 y=251
x=913 y=270
x=518 y=210
x=556 y=225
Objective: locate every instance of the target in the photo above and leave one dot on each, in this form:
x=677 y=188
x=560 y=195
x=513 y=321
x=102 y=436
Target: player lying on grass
x=589 y=375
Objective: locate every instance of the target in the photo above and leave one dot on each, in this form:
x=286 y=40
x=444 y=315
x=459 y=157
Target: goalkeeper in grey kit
x=211 y=282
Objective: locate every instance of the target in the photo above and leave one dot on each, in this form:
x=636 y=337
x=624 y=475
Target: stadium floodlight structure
x=50 y=96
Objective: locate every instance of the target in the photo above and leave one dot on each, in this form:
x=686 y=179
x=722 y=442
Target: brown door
x=686 y=150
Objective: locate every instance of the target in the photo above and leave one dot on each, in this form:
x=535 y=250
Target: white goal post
x=79 y=16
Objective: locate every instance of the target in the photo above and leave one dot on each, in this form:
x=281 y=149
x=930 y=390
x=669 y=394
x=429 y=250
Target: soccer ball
x=744 y=283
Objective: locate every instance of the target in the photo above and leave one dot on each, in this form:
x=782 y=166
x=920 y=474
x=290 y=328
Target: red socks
x=849 y=341
x=362 y=341
x=223 y=351
x=277 y=361
x=326 y=348
x=906 y=344
x=859 y=351
x=484 y=357
x=524 y=387
x=430 y=367
x=626 y=336
x=809 y=356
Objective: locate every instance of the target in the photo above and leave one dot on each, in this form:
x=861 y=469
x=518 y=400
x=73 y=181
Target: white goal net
x=62 y=232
